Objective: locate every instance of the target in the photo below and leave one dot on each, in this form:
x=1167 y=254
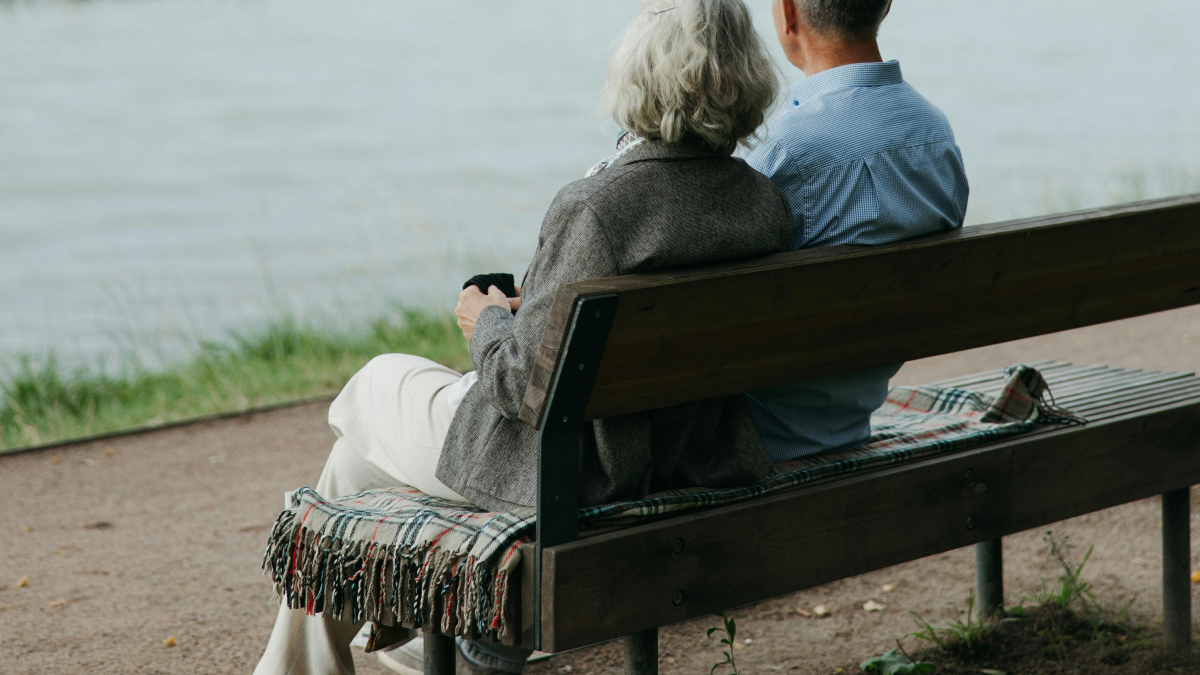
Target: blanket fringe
x=317 y=567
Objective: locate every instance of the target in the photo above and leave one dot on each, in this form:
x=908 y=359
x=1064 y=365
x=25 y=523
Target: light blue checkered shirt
x=862 y=159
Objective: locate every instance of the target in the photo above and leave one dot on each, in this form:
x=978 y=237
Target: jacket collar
x=690 y=147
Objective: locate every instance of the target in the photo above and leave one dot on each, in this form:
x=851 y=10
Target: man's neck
x=821 y=55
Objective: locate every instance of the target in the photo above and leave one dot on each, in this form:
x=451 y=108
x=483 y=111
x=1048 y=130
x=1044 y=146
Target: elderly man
x=862 y=159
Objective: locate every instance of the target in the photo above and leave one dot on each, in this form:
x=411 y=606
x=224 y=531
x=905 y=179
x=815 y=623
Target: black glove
x=501 y=280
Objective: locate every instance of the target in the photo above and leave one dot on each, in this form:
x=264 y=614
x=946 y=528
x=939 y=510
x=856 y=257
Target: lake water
x=174 y=169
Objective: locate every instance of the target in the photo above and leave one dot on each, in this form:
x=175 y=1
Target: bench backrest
x=689 y=335
x=640 y=342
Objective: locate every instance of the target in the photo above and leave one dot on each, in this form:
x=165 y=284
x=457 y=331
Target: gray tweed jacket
x=657 y=206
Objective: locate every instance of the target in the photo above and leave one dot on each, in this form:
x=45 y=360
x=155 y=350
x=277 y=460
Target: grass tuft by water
x=42 y=402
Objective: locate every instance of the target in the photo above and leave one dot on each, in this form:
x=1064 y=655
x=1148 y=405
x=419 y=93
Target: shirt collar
x=844 y=77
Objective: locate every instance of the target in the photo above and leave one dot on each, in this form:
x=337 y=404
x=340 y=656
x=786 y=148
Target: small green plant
x=895 y=662
x=730 y=631
x=1070 y=590
x=1068 y=609
x=960 y=634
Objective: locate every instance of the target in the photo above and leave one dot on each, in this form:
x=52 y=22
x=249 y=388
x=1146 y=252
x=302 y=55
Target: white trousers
x=390 y=421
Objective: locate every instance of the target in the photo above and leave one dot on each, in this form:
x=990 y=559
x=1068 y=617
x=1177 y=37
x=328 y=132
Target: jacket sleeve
x=572 y=247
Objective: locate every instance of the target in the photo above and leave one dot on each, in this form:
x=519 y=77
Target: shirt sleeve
x=772 y=160
x=504 y=346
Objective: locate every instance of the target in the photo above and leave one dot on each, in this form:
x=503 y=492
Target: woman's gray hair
x=691 y=67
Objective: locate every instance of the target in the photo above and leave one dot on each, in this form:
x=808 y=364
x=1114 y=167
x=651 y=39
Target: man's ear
x=887 y=10
x=790 y=15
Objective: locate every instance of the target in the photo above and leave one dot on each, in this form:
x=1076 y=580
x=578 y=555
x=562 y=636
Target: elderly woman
x=689 y=82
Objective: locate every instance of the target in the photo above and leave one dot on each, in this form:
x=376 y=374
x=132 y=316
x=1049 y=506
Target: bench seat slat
x=964 y=381
x=1092 y=378
x=1143 y=393
x=1096 y=386
x=1123 y=393
x=1125 y=411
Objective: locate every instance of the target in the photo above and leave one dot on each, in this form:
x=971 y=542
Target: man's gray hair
x=852 y=20
x=691 y=67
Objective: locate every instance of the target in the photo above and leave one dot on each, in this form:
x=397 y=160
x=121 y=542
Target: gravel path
x=129 y=542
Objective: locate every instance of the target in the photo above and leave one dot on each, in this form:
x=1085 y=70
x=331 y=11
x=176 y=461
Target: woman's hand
x=471 y=302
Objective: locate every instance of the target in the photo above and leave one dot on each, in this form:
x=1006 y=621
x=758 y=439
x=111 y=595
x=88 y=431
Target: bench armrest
x=561 y=425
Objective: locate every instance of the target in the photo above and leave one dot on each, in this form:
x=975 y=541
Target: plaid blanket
x=398 y=557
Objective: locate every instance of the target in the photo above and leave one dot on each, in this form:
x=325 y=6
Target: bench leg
x=641 y=653
x=1177 y=563
x=989 y=577
x=440 y=651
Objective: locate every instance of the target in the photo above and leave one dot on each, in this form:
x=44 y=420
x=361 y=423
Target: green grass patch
x=1064 y=630
x=41 y=402
x=960 y=634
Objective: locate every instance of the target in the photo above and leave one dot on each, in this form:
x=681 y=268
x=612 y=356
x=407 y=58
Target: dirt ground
x=130 y=542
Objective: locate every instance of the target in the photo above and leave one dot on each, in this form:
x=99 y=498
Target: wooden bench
x=628 y=344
